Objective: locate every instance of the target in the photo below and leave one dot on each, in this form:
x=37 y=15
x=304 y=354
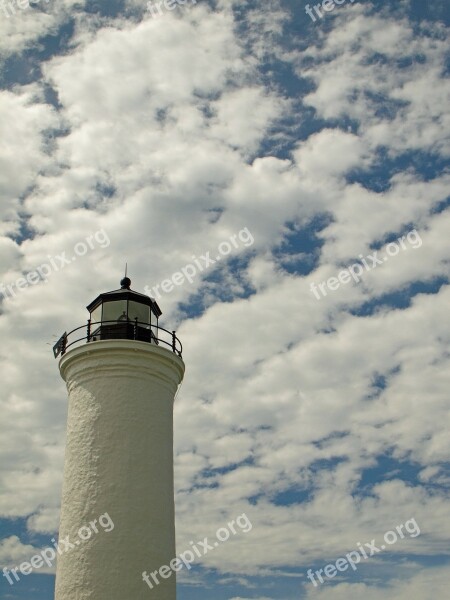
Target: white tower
x=122 y=372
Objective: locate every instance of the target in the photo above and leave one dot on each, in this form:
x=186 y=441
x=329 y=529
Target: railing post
x=89 y=330
x=135 y=327
x=174 y=342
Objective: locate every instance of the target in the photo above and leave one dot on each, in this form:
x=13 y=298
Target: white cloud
x=13 y=553
x=164 y=125
x=431 y=583
x=23 y=28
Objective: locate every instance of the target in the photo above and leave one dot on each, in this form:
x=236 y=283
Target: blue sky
x=323 y=416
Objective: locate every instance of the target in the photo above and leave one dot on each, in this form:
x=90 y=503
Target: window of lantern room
x=96 y=315
x=115 y=311
x=141 y=312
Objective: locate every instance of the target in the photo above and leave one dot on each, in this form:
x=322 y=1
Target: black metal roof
x=125 y=293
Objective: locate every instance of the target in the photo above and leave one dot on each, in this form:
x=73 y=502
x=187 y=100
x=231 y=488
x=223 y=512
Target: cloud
x=166 y=134
x=430 y=583
x=13 y=553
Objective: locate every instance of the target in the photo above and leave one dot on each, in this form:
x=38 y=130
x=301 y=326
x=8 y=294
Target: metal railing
x=119 y=330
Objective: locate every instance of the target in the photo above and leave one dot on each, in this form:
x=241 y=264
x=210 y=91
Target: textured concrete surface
x=119 y=460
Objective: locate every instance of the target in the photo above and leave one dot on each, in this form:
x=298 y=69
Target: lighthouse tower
x=122 y=371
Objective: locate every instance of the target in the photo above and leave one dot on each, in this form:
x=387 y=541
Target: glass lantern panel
x=115 y=311
x=141 y=311
x=96 y=314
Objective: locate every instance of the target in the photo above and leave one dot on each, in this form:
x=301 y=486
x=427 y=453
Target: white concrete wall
x=119 y=460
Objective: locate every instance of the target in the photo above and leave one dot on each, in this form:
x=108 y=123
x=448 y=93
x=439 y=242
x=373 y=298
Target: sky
x=295 y=170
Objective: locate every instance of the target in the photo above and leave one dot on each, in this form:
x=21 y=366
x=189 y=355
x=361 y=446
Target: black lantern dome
x=123 y=313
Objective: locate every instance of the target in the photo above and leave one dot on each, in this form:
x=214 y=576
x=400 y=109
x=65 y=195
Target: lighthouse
x=122 y=371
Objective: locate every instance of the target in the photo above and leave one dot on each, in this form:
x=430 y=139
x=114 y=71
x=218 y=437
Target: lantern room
x=123 y=314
